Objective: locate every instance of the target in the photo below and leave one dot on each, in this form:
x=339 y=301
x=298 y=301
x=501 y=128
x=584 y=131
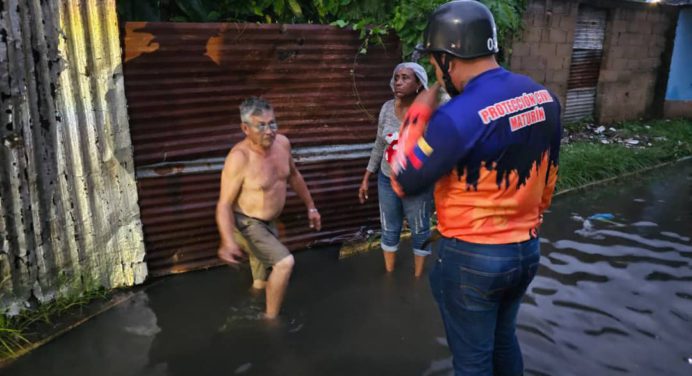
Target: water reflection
x=613 y=293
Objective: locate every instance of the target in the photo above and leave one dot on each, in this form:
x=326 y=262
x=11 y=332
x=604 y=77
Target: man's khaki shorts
x=260 y=239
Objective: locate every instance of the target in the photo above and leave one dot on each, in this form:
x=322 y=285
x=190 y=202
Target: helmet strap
x=444 y=65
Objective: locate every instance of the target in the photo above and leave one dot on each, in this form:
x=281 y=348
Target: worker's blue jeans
x=479 y=288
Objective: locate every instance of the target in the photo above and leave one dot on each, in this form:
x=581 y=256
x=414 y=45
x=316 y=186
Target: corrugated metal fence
x=184 y=83
x=69 y=218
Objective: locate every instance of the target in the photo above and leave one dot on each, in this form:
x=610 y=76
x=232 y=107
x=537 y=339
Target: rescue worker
x=492 y=153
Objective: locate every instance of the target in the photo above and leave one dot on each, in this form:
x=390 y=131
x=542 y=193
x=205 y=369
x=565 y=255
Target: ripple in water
x=612 y=298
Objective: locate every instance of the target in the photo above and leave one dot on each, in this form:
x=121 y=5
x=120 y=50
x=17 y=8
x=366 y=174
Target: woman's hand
x=363 y=191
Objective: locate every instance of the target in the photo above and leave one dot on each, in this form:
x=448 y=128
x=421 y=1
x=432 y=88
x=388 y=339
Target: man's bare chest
x=264 y=173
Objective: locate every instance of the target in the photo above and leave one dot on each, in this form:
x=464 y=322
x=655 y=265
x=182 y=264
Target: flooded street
x=614 y=292
x=613 y=296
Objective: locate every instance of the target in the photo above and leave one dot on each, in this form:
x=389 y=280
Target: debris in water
x=602 y=216
x=588 y=231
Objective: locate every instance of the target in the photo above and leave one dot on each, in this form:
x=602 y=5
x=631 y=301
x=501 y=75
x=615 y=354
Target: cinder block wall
x=633 y=56
x=544 y=49
x=633 y=52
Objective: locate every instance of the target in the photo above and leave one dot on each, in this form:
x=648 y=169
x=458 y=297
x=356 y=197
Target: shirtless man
x=253 y=194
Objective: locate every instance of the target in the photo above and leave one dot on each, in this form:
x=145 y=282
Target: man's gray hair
x=253 y=106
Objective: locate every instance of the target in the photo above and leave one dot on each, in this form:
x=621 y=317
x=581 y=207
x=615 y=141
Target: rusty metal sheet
x=178 y=213
x=184 y=82
x=585 y=67
x=69 y=219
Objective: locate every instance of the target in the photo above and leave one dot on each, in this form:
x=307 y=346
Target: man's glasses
x=262 y=127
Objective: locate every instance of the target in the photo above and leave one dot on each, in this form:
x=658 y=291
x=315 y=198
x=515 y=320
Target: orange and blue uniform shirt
x=492 y=153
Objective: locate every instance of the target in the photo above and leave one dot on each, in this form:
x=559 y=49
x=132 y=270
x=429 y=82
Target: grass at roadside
x=17 y=332
x=583 y=162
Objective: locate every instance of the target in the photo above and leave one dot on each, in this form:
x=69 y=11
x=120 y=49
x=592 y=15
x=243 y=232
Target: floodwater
x=613 y=296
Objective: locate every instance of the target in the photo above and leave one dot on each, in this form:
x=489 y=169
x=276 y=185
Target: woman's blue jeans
x=417 y=210
x=479 y=288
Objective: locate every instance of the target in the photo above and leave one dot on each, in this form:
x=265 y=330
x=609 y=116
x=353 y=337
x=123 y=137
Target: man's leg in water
x=259 y=272
x=264 y=244
x=277 y=284
x=257 y=268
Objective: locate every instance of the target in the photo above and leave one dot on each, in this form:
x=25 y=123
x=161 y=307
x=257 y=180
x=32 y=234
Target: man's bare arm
x=231 y=184
x=297 y=182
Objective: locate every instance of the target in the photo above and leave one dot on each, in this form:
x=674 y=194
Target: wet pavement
x=613 y=296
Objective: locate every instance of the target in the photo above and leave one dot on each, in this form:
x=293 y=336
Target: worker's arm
x=429 y=152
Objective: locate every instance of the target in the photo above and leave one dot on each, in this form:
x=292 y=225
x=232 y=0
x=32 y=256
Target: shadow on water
x=613 y=296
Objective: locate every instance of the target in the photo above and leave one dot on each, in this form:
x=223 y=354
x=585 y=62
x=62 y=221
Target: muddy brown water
x=613 y=297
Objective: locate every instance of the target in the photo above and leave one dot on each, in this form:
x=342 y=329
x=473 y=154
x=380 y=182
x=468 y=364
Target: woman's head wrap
x=417 y=69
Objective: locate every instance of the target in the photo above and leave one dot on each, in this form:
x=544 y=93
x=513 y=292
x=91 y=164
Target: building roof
x=678 y=2
x=666 y=2
x=670 y=2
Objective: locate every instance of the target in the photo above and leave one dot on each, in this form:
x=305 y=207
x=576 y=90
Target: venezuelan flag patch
x=420 y=153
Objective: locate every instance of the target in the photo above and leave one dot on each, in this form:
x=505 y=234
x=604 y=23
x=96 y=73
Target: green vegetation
x=10 y=339
x=373 y=18
x=583 y=162
x=17 y=332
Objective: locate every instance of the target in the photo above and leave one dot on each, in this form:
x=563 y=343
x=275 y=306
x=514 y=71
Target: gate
x=587 y=53
x=184 y=82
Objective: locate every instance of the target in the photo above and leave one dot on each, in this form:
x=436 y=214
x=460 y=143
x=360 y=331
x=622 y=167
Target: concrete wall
x=679 y=91
x=633 y=61
x=544 y=49
x=69 y=219
x=633 y=56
